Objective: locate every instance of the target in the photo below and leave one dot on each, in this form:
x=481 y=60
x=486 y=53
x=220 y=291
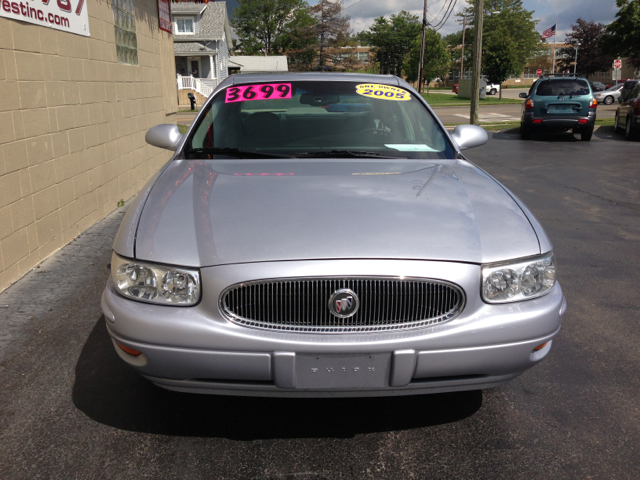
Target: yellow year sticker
x=383 y=92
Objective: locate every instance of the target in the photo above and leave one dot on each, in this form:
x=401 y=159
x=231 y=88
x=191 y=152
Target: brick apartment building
x=82 y=81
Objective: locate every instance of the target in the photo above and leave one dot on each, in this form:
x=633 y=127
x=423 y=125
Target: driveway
x=69 y=408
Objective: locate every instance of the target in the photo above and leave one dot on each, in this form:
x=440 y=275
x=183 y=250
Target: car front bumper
x=195 y=349
x=559 y=121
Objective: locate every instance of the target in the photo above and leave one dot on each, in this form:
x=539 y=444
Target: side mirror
x=166 y=136
x=469 y=136
x=523 y=95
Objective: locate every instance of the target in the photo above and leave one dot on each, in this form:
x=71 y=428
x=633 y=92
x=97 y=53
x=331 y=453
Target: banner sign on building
x=66 y=15
x=164 y=15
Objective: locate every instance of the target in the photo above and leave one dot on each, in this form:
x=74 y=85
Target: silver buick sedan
x=323 y=235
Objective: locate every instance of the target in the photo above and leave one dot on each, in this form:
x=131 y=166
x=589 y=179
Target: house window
x=124 y=21
x=184 y=26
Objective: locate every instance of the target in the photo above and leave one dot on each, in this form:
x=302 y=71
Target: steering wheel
x=375 y=131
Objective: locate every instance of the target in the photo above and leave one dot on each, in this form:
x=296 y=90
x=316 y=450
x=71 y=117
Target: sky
x=566 y=12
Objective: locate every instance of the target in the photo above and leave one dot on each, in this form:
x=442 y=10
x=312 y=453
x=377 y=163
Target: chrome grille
x=301 y=304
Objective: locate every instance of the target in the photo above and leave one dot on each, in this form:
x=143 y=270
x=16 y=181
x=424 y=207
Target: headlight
x=520 y=280
x=152 y=283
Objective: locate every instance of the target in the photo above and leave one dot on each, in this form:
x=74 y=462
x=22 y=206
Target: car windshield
x=311 y=118
x=554 y=88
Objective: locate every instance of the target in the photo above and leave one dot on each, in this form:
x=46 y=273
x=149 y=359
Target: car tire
x=493 y=91
x=616 y=125
x=608 y=100
x=586 y=135
x=629 y=132
x=525 y=133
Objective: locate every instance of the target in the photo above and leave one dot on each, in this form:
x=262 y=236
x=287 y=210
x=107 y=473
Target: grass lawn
x=183 y=128
x=442 y=99
x=606 y=122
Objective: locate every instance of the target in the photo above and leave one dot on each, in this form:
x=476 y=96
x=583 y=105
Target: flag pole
x=555 y=31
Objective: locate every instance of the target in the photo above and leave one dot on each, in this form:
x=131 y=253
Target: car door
x=632 y=99
x=625 y=106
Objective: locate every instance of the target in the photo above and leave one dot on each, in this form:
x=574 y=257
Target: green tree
x=591 y=59
x=392 y=40
x=508 y=16
x=437 y=59
x=453 y=42
x=500 y=60
x=299 y=42
x=622 y=36
x=271 y=27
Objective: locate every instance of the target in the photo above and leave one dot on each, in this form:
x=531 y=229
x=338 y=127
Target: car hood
x=206 y=212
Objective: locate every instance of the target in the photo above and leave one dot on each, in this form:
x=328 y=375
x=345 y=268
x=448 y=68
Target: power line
x=344 y=8
x=441 y=23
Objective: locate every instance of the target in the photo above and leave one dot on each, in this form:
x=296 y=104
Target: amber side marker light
x=539 y=347
x=133 y=352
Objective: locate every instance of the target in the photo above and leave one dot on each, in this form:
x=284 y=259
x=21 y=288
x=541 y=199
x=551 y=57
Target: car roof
x=244 y=78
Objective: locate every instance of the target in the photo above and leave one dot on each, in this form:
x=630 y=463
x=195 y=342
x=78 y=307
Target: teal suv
x=559 y=102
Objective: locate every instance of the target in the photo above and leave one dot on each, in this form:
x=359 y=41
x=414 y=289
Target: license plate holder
x=342 y=371
x=560 y=108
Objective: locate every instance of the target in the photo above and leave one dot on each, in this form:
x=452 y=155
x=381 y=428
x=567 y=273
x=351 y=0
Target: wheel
x=608 y=100
x=493 y=91
x=616 y=125
x=586 y=135
x=629 y=133
x=525 y=133
x=375 y=131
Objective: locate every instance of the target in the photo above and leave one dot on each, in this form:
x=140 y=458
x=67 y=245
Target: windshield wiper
x=234 y=152
x=341 y=154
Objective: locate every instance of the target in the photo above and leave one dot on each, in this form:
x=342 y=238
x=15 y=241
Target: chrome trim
x=386 y=303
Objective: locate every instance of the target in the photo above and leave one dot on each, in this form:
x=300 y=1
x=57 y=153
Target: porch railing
x=191 y=83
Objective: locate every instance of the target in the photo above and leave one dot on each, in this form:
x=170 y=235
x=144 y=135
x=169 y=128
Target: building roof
x=214 y=24
x=255 y=63
x=187 y=7
x=192 y=47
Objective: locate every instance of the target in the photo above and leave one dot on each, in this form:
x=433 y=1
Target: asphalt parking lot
x=69 y=408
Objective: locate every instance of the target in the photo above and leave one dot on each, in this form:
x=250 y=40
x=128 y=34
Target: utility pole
x=464 y=28
x=424 y=28
x=477 y=61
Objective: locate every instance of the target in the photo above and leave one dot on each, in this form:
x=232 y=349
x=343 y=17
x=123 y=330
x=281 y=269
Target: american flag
x=550 y=32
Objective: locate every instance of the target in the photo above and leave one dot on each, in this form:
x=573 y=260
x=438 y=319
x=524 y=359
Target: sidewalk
x=71 y=280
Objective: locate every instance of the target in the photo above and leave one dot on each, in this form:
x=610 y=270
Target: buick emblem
x=344 y=303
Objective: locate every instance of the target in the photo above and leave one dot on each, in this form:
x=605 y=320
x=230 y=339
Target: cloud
x=364 y=12
x=599 y=11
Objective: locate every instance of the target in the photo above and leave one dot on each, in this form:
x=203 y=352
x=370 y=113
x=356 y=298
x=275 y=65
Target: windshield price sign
x=66 y=15
x=382 y=92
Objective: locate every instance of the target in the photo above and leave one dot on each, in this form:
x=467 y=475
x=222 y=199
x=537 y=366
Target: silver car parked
x=323 y=235
x=609 y=95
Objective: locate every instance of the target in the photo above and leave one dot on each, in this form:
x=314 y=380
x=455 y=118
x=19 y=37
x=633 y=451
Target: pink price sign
x=263 y=91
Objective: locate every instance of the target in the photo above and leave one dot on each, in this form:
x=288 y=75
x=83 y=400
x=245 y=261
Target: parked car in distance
x=559 y=102
x=322 y=234
x=628 y=114
x=628 y=86
x=597 y=86
x=492 y=88
x=619 y=82
x=609 y=95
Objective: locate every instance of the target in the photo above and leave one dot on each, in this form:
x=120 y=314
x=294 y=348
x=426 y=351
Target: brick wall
x=72 y=126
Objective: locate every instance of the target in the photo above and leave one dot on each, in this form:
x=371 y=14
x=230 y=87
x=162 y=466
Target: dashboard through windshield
x=317 y=119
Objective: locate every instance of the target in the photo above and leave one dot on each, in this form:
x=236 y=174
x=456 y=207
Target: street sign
x=539 y=72
x=617 y=64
